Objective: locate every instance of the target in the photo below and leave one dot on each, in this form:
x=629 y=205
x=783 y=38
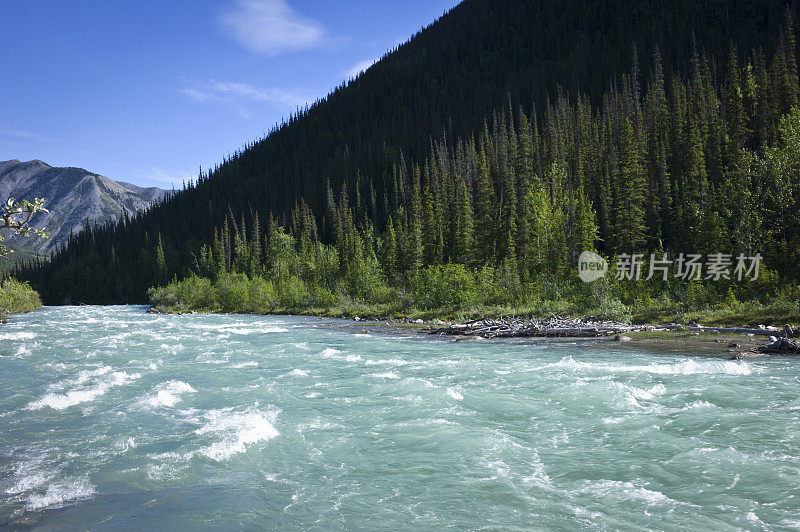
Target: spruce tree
x=485 y=218
x=415 y=245
x=464 y=225
x=629 y=215
x=390 y=250
x=161 y=264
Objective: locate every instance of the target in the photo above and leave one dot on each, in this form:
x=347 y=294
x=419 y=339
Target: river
x=114 y=418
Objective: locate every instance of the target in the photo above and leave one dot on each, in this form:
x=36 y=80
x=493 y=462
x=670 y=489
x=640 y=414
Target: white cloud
x=271 y=27
x=237 y=94
x=358 y=68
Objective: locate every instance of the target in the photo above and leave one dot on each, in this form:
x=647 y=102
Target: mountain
x=642 y=121
x=74 y=198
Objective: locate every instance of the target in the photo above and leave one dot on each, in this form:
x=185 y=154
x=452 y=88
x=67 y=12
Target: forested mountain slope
x=627 y=119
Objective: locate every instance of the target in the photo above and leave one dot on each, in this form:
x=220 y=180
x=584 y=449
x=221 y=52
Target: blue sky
x=148 y=91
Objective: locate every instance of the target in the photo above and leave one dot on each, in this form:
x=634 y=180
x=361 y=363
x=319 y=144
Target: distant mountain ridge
x=73 y=196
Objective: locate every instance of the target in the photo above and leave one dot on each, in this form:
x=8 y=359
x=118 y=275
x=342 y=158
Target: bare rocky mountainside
x=72 y=195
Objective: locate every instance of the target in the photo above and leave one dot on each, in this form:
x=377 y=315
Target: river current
x=113 y=418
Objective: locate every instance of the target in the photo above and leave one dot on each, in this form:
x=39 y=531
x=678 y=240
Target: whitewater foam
x=632 y=394
x=21 y=335
x=454 y=394
x=388 y=362
x=22 y=351
x=245 y=330
x=210 y=358
x=28 y=482
x=627 y=491
x=239 y=429
x=127 y=444
x=241 y=328
x=242 y=365
x=698 y=404
x=158 y=434
x=684 y=367
x=31 y=473
x=168 y=393
x=61 y=493
x=440 y=421
x=84 y=394
x=386 y=375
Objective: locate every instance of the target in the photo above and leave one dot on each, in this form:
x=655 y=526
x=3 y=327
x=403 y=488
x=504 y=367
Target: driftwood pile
x=553 y=327
x=593 y=327
x=780 y=346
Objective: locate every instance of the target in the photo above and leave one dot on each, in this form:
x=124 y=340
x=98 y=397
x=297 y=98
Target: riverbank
x=238 y=294
x=711 y=341
x=751 y=314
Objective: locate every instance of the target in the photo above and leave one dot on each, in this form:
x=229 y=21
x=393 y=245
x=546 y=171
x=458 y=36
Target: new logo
x=591 y=266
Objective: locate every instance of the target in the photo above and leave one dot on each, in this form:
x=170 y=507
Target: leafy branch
x=15 y=216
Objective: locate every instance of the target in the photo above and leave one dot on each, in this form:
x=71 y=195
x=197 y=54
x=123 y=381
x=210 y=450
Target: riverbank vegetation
x=459 y=295
x=315 y=281
x=17 y=297
x=238 y=293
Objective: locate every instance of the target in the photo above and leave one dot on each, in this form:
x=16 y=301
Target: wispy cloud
x=360 y=67
x=18 y=135
x=165 y=177
x=237 y=95
x=271 y=27
x=152 y=176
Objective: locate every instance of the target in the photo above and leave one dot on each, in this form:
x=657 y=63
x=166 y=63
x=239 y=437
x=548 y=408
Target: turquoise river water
x=112 y=418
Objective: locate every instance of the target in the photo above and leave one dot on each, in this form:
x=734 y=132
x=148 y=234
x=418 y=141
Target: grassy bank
x=451 y=296
x=17 y=297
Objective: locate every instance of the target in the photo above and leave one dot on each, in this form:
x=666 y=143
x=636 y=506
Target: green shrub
x=192 y=293
x=262 y=295
x=197 y=292
x=614 y=309
x=232 y=292
x=291 y=292
x=322 y=297
x=18 y=297
x=445 y=285
x=489 y=290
